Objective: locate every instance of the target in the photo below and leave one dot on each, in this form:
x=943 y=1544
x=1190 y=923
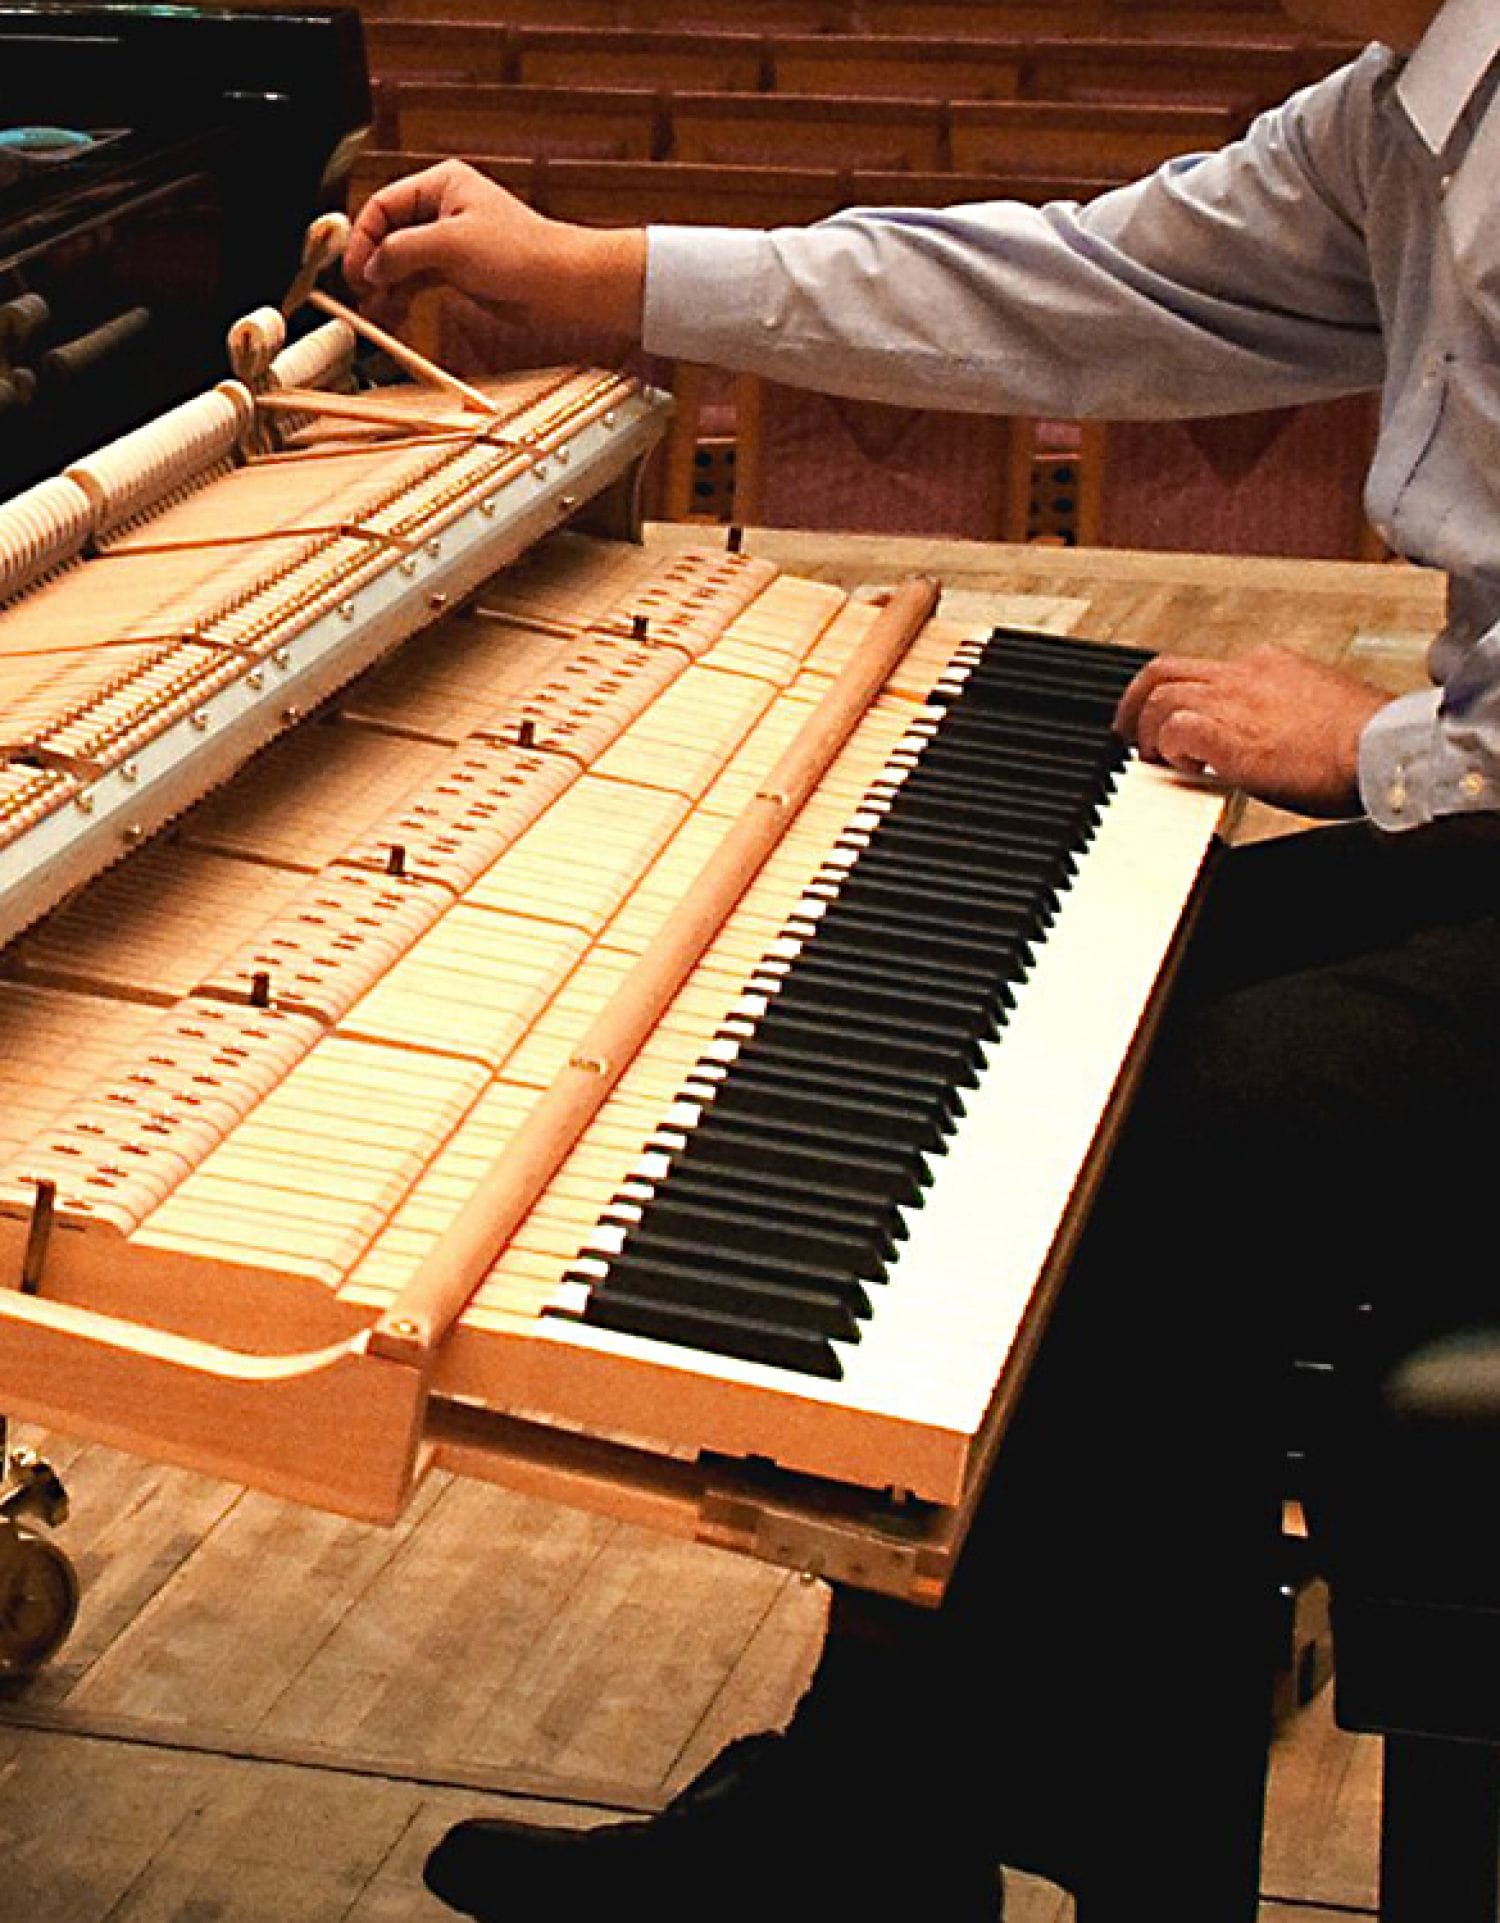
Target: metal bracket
x=863 y=1544
x=32 y=1487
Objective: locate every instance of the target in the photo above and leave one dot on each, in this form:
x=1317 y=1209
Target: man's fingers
x=1283 y=728
x=413 y=203
x=409 y=251
x=1152 y=686
x=1161 y=702
x=1192 y=743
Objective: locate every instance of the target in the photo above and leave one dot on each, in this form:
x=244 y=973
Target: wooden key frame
x=342 y=1426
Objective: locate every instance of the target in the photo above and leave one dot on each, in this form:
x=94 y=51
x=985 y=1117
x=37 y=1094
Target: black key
x=749 y=1338
x=851 y=1072
x=775 y=1122
x=971 y=956
x=820 y=995
x=924 y=997
x=940 y=855
x=757 y=1202
x=1017 y=917
x=752 y=1088
x=682 y=1281
x=864 y=1047
x=736 y=1263
x=768 y=1195
x=818 y=1252
x=729 y=1142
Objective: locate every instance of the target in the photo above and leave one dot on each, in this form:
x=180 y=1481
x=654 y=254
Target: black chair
x=1403 y=1482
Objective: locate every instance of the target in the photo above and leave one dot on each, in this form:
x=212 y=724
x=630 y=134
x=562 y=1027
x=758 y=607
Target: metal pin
x=395 y=863
x=260 y=988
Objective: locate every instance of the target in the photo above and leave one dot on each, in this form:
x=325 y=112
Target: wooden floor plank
x=396 y=1893
x=131 y=1526
x=763 y=1688
x=329 y=1845
x=1323 y=1822
x=220 y=1639
x=1028 y=1899
x=81 y=1823
x=1298 y=1913
x=447 y=1624
x=628 y=1668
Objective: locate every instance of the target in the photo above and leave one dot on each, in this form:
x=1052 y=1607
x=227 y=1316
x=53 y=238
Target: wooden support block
x=337 y=1428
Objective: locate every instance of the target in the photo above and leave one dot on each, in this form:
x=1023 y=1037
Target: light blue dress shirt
x=1350 y=241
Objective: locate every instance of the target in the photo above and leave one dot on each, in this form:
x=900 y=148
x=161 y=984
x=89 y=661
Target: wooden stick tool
x=323 y=249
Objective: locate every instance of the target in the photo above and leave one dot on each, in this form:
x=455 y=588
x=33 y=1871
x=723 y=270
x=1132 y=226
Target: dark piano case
x=158 y=169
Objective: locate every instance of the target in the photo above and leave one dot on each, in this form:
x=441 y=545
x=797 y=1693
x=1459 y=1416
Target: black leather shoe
x=751 y=1836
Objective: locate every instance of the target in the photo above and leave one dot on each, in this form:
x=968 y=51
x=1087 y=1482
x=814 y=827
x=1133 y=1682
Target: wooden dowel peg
x=367 y=409
x=34 y=1261
x=260 y=988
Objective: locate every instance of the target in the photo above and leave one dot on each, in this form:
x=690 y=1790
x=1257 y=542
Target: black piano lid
x=213 y=137
x=137 y=65
x=287 y=87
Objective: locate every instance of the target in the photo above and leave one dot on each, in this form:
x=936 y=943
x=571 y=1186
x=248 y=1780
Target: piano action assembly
x=479 y=994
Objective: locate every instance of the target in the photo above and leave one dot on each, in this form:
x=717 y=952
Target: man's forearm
x=594 y=274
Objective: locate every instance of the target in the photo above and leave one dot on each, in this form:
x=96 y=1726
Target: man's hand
x=1282 y=727
x=451 y=224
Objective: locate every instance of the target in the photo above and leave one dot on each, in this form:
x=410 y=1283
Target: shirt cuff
x=1412 y=770
x=702 y=291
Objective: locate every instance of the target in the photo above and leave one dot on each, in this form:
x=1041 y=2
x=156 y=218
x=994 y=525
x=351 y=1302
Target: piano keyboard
x=905 y=1404
x=770 y=1209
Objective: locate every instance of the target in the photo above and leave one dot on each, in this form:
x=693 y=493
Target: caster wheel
x=38 y=1600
